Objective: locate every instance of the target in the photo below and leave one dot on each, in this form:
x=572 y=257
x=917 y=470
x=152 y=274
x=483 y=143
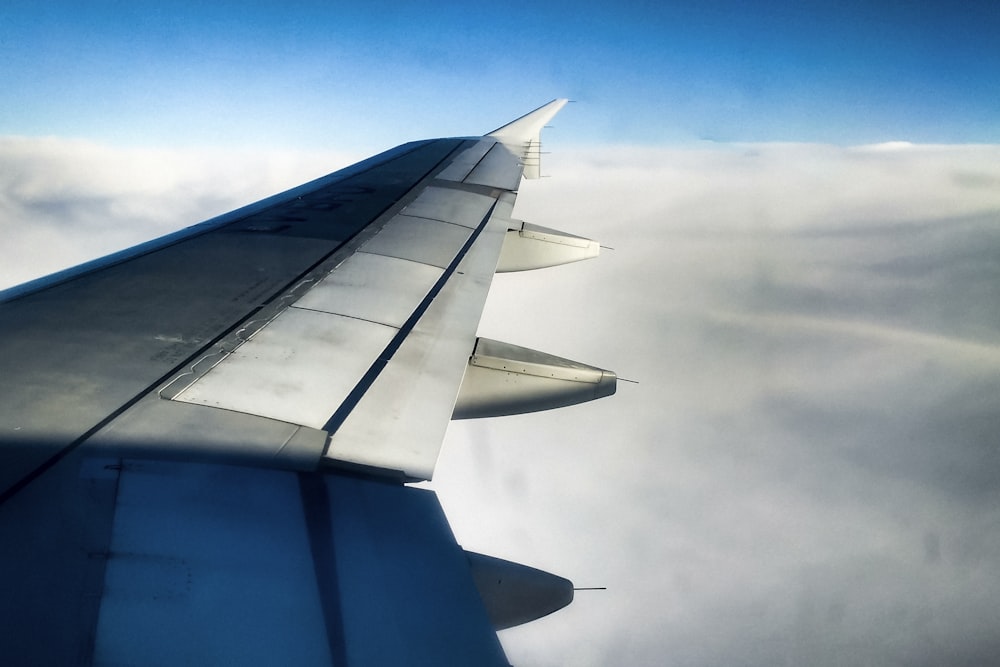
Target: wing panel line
x=45 y=465
x=356 y=394
x=424 y=217
x=479 y=161
x=205 y=227
x=48 y=463
x=319 y=526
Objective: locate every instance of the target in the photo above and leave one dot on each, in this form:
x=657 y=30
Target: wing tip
x=528 y=126
x=523 y=135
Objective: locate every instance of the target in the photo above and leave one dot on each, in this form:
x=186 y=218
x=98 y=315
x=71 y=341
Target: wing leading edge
x=239 y=402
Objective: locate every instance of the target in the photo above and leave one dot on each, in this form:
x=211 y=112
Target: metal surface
x=376 y=288
x=171 y=430
x=400 y=422
x=523 y=136
x=529 y=247
x=295 y=369
x=515 y=594
x=504 y=379
x=466 y=160
x=223 y=565
x=80 y=348
x=166 y=589
x=86 y=352
x=420 y=240
x=330 y=325
x=456 y=205
x=500 y=168
x=53 y=550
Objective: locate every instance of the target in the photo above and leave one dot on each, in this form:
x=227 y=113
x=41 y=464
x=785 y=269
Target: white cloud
x=64 y=201
x=808 y=471
x=761 y=187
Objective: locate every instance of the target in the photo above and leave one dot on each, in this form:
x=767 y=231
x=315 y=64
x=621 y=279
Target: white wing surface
x=205 y=438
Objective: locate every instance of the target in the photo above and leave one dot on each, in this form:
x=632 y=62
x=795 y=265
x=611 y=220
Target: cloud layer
x=64 y=201
x=808 y=472
x=809 y=469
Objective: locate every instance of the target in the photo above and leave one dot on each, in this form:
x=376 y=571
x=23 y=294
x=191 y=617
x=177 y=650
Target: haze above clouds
x=808 y=471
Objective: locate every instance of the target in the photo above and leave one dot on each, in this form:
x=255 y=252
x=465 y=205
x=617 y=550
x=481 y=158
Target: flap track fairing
x=504 y=379
x=527 y=246
x=514 y=594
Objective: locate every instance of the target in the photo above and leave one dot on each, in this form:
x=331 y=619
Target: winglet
x=523 y=135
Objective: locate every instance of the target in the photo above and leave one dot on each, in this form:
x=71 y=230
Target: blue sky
x=343 y=75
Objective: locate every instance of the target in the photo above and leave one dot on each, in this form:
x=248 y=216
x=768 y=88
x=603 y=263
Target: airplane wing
x=206 y=440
